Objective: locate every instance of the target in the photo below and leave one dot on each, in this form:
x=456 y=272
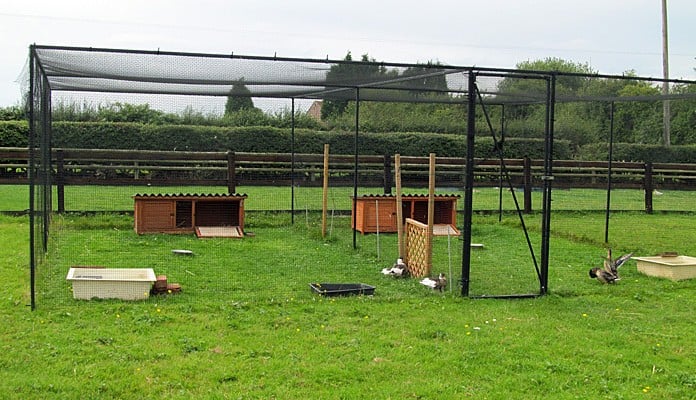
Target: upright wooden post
x=60 y=179
x=649 y=187
x=431 y=213
x=399 y=207
x=527 y=172
x=387 y=174
x=231 y=173
x=325 y=193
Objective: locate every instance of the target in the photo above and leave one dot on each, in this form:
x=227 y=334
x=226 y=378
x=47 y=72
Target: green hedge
x=123 y=135
x=640 y=153
x=14 y=133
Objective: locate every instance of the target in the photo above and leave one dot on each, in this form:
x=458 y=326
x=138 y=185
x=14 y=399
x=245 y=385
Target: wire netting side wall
x=40 y=173
x=500 y=254
x=281 y=186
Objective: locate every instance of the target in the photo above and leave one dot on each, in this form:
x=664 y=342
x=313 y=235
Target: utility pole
x=665 y=85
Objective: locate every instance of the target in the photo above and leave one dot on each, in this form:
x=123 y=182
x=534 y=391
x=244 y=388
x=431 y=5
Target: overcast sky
x=612 y=36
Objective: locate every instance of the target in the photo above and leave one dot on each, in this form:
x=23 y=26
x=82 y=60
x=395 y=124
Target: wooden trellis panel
x=417 y=248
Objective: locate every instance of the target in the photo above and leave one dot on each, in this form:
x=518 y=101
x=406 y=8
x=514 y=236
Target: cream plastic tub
x=671 y=267
x=111 y=283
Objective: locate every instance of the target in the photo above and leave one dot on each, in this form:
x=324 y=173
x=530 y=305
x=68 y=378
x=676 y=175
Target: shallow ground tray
x=672 y=267
x=342 y=289
x=219 y=231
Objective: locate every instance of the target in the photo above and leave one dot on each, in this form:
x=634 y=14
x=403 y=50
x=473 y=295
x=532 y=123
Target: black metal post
x=548 y=179
x=47 y=163
x=607 y=209
x=468 y=183
x=292 y=162
x=32 y=178
x=355 y=172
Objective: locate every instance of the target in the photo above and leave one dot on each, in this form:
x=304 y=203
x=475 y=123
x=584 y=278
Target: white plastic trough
x=111 y=283
x=671 y=267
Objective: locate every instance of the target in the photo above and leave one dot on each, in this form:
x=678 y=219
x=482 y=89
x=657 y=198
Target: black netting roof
x=154 y=72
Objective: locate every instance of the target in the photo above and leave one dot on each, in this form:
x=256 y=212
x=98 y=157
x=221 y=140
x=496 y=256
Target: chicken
x=438 y=283
x=399 y=269
x=610 y=272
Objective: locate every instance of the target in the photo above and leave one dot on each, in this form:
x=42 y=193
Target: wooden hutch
x=203 y=214
x=378 y=212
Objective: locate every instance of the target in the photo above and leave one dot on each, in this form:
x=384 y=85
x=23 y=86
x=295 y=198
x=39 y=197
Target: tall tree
x=239 y=99
x=684 y=115
x=348 y=74
x=429 y=81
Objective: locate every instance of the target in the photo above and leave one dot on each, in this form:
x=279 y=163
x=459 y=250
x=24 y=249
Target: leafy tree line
x=584 y=122
x=582 y=112
x=142 y=113
x=578 y=122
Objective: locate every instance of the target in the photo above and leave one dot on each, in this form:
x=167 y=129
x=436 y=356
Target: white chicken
x=399 y=269
x=438 y=283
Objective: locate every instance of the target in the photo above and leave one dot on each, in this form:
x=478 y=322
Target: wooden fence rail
x=179 y=168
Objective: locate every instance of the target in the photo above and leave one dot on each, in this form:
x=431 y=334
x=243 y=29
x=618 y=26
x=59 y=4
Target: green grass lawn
x=118 y=198
x=247 y=325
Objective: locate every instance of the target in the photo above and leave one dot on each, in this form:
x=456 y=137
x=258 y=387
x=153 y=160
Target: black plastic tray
x=342 y=289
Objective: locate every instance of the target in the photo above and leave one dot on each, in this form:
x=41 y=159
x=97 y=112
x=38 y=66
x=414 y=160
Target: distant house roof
x=315 y=110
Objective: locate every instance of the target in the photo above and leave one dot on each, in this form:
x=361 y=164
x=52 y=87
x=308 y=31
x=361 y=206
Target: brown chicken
x=610 y=272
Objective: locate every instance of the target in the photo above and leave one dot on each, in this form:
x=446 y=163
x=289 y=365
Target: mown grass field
x=118 y=198
x=247 y=326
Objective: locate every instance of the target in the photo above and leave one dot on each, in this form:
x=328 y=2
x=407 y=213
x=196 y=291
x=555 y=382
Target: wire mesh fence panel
x=203 y=129
x=501 y=261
